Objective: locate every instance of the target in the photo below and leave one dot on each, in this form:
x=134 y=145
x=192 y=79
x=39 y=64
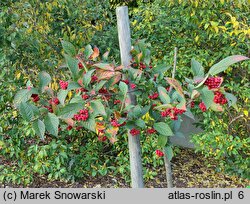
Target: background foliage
x=29 y=38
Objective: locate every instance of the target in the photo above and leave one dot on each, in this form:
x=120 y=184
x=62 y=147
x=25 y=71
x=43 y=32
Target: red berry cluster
x=80 y=66
x=63 y=84
x=85 y=96
x=117 y=102
x=192 y=104
x=94 y=78
x=105 y=92
x=35 y=97
x=142 y=66
x=159 y=153
x=83 y=115
x=115 y=123
x=134 y=132
x=213 y=82
x=172 y=113
x=151 y=131
x=153 y=96
x=219 y=98
x=54 y=101
x=102 y=138
x=202 y=106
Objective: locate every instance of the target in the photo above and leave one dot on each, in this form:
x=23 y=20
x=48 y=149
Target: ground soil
x=190 y=170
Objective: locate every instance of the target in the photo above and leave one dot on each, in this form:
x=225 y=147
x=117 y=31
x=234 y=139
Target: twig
x=174 y=69
x=236 y=118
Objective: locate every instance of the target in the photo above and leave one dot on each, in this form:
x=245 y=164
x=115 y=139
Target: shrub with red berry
x=97 y=96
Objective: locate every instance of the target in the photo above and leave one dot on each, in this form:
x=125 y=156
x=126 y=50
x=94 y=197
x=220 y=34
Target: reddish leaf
x=95 y=54
x=174 y=83
x=119 y=68
x=104 y=66
x=69 y=121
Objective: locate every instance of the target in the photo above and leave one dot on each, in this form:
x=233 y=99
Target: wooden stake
x=133 y=141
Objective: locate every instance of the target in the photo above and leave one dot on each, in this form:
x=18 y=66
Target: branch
x=174 y=69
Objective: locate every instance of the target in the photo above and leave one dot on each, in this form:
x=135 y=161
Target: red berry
x=159 y=153
x=49 y=108
x=132 y=86
x=63 y=84
x=35 y=97
x=117 y=101
x=102 y=139
x=94 y=78
x=54 y=101
x=115 y=123
x=192 y=104
x=134 y=132
x=151 y=131
x=80 y=66
x=153 y=96
x=69 y=127
x=85 y=96
x=203 y=107
x=126 y=81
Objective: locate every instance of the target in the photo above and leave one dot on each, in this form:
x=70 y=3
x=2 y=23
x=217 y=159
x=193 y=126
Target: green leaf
x=197 y=68
x=163 y=129
x=26 y=111
x=76 y=99
x=22 y=95
x=72 y=64
x=68 y=48
x=90 y=125
x=44 y=80
x=231 y=99
x=73 y=85
x=34 y=109
x=225 y=63
x=100 y=85
x=189 y=114
x=169 y=152
x=98 y=108
x=140 y=123
x=39 y=128
x=162 y=140
x=207 y=96
x=70 y=110
x=62 y=94
x=161 y=68
x=163 y=95
x=87 y=77
x=123 y=87
x=88 y=51
x=51 y=122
